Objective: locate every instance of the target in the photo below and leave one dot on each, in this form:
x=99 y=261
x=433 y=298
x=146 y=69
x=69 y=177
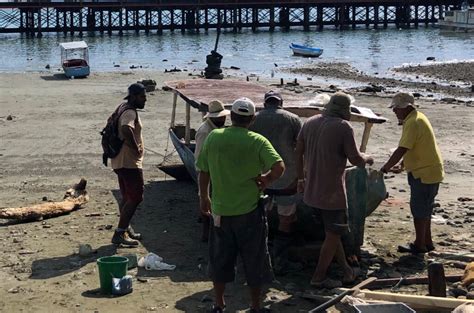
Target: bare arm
x=397 y=155
x=361 y=159
x=273 y=174
x=204 y=201
x=130 y=139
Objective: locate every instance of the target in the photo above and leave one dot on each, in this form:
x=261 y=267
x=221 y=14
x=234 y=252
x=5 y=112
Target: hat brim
x=217 y=114
x=399 y=106
x=274 y=97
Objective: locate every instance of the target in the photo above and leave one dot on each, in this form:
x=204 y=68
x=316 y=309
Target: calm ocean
x=367 y=49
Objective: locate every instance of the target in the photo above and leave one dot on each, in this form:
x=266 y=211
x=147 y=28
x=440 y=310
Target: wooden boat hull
x=185 y=152
x=76 y=71
x=306 y=51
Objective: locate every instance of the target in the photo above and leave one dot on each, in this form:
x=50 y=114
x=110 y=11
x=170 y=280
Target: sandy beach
x=50 y=138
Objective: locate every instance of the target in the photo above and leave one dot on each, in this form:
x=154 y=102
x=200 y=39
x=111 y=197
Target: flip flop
x=411 y=248
x=328 y=283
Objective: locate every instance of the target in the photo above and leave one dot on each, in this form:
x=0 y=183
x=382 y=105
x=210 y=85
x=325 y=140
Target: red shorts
x=131 y=184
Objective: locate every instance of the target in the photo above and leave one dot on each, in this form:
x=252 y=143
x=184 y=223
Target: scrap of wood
x=463 y=257
x=414 y=301
x=74 y=199
x=389 y=282
x=336 y=299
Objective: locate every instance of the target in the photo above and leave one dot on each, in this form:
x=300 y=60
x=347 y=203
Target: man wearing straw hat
x=424 y=165
x=281 y=128
x=324 y=145
x=214 y=119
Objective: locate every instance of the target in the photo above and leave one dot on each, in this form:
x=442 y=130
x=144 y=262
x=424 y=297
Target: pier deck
x=35 y=18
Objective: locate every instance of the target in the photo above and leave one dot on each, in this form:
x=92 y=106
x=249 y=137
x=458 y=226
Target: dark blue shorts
x=422 y=197
x=244 y=235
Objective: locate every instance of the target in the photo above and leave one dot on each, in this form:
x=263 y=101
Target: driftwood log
x=74 y=199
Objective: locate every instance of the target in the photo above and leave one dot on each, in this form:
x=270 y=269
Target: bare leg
x=219 y=289
x=255 y=296
x=328 y=250
x=420 y=232
x=342 y=261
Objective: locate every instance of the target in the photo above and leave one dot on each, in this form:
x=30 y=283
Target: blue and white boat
x=305 y=51
x=75 y=59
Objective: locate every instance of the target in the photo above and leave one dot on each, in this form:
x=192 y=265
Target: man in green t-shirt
x=240 y=164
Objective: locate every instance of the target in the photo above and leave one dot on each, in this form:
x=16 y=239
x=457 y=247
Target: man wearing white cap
x=424 y=165
x=325 y=144
x=214 y=119
x=240 y=164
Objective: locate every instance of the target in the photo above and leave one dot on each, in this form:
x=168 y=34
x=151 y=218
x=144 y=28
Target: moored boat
x=75 y=59
x=305 y=50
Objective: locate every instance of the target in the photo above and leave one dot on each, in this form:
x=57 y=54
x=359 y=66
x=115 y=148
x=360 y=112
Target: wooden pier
x=36 y=18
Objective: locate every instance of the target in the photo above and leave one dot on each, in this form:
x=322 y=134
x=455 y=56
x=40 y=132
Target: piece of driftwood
x=74 y=199
x=436 y=280
x=463 y=257
x=414 y=301
x=389 y=282
x=338 y=298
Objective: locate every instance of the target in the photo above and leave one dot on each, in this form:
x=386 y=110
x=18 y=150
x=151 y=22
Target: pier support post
x=319 y=17
x=272 y=19
x=306 y=18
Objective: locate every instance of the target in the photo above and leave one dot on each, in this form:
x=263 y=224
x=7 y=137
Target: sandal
x=328 y=283
x=411 y=248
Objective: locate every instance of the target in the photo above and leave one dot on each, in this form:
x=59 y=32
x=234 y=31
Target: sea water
x=369 y=50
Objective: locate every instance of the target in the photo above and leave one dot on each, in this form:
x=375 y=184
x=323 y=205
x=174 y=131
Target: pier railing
x=37 y=17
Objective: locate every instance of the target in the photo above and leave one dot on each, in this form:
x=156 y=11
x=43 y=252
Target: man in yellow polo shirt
x=424 y=165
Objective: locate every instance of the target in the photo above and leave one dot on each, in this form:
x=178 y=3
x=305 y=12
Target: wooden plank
x=389 y=282
x=415 y=301
x=339 y=297
x=436 y=280
x=187 y=134
x=365 y=136
x=173 y=112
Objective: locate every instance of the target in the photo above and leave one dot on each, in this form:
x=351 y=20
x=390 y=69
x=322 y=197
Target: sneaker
x=122 y=238
x=132 y=234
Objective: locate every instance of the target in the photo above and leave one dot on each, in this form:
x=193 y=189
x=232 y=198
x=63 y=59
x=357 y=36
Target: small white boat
x=75 y=59
x=305 y=51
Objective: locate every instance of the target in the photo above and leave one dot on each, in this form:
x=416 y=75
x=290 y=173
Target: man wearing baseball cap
x=128 y=164
x=424 y=165
x=240 y=164
x=281 y=128
x=214 y=119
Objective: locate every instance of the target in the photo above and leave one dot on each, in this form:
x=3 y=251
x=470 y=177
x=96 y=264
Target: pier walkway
x=36 y=17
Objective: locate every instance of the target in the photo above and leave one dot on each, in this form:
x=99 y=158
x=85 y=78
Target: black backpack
x=111 y=142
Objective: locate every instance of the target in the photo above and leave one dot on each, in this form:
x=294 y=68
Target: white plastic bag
x=152 y=262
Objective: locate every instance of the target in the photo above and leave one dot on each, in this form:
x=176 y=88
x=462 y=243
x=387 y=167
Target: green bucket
x=111 y=267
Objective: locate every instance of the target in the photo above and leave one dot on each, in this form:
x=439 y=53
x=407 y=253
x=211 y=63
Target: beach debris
x=10 y=118
x=464 y=308
x=464 y=199
x=149 y=84
x=47 y=66
x=235 y=67
x=153 y=261
x=116 y=65
x=85 y=250
x=173 y=70
x=133 y=66
x=74 y=199
x=430 y=59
